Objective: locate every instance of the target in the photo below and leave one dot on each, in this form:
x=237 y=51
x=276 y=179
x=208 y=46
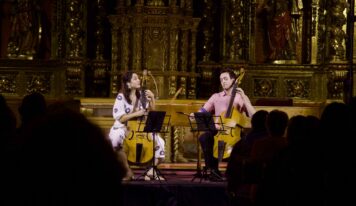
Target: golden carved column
x=297 y=28
x=354 y=37
x=173 y=45
x=184 y=49
x=235 y=31
x=137 y=39
x=75 y=49
x=319 y=31
x=207 y=30
x=336 y=78
x=192 y=48
x=183 y=59
x=98 y=68
x=178 y=144
x=337 y=20
x=99 y=33
x=120 y=46
x=125 y=52
x=115 y=83
x=75 y=41
x=193 y=44
x=336 y=48
x=123 y=55
x=316 y=13
x=173 y=56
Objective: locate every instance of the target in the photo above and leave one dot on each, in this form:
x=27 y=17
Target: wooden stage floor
x=178 y=188
x=177 y=171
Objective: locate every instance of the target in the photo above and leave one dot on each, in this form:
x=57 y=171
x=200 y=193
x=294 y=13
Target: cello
x=233 y=121
x=138 y=145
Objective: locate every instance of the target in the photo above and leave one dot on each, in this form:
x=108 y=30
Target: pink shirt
x=219 y=102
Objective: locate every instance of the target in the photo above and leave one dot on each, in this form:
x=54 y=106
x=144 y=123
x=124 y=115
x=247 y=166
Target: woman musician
x=128 y=106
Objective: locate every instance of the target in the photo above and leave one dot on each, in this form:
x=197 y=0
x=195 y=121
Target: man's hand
x=240 y=91
x=191 y=117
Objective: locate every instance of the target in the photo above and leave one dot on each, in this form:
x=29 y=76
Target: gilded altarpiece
x=160 y=38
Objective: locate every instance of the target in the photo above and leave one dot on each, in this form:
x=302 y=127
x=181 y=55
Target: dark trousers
x=207 y=143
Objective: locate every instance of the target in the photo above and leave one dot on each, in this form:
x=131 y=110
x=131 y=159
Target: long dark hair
x=126 y=78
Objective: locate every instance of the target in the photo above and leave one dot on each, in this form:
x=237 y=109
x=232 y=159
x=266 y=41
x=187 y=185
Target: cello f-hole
x=147 y=137
x=132 y=135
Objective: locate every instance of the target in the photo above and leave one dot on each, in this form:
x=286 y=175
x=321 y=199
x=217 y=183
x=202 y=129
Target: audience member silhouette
x=66 y=160
x=318 y=165
x=7 y=123
x=262 y=153
x=238 y=161
x=353 y=110
x=264 y=149
x=338 y=135
x=7 y=149
x=258 y=131
x=290 y=170
x=33 y=107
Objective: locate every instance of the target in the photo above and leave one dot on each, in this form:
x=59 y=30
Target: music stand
x=154 y=124
x=204 y=121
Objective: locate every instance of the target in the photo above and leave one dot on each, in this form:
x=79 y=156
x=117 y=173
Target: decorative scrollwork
x=298 y=88
x=39 y=83
x=336 y=84
x=172 y=85
x=8 y=83
x=265 y=87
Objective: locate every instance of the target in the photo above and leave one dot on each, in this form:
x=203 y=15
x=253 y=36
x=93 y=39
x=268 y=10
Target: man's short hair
x=230 y=71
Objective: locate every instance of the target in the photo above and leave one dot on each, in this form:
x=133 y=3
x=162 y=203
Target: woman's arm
x=126 y=117
x=151 y=99
x=119 y=112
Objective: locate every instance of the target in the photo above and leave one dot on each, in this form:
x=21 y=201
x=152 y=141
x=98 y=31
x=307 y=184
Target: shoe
x=215 y=176
x=129 y=176
x=158 y=177
x=150 y=172
x=153 y=176
x=146 y=178
x=216 y=172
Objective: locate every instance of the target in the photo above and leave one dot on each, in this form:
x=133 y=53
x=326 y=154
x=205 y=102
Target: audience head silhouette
x=335 y=120
x=258 y=121
x=32 y=106
x=70 y=161
x=277 y=122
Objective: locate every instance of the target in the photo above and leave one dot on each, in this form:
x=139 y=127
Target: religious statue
x=280 y=30
x=29 y=30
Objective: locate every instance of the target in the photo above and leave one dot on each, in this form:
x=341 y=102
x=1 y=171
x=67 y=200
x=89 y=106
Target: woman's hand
x=217 y=126
x=192 y=117
x=149 y=94
x=140 y=113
